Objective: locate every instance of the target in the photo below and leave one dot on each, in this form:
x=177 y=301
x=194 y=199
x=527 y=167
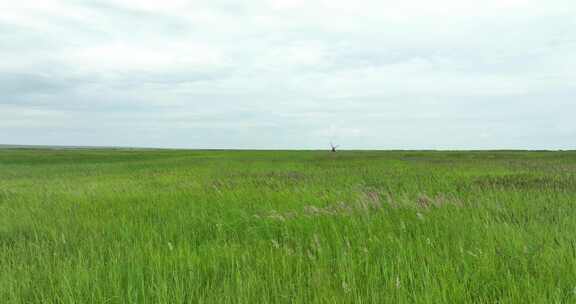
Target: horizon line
x=82 y=147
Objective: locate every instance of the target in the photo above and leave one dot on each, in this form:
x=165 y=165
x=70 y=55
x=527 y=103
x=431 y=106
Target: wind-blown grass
x=104 y=226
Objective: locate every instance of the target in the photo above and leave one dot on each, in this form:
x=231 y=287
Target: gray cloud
x=289 y=74
x=28 y=83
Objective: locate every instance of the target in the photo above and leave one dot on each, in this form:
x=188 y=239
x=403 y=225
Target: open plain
x=177 y=226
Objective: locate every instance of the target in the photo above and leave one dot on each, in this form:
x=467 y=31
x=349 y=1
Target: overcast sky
x=294 y=74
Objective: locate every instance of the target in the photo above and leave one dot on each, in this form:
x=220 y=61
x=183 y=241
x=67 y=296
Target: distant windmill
x=333 y=147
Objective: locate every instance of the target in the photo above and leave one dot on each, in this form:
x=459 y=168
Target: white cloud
x=125 y=57
x=155 y=6
x=289 y=4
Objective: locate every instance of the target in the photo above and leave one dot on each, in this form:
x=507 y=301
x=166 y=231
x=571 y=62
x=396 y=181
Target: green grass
x=105 y=226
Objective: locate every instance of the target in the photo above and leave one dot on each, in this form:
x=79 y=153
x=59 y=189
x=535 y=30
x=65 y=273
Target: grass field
x=160 y=226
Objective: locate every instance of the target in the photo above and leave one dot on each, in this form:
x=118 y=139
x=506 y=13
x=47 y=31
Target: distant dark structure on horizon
x=333 y=147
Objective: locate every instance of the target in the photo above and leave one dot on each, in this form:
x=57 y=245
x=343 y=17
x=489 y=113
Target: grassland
x=103 y=226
